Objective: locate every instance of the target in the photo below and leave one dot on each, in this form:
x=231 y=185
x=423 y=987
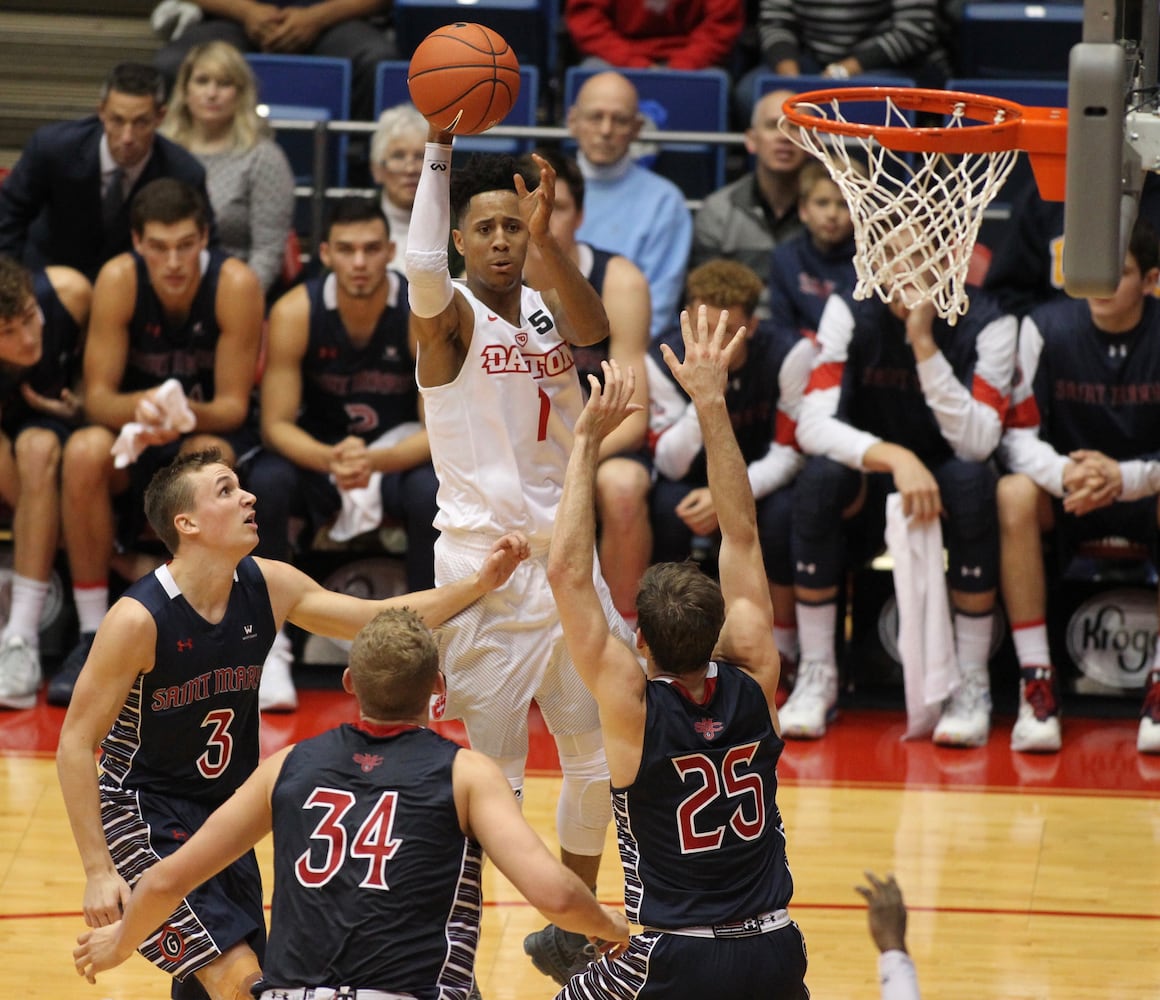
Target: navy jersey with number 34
x=700 y=834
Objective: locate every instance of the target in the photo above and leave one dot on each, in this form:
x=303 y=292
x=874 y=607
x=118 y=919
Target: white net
x=916 y=215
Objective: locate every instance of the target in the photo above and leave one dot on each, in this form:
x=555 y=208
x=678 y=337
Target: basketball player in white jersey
x=501 y=396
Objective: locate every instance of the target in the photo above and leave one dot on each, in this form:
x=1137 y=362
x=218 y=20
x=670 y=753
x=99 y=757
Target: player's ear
x=324 y=254
x=457 y=239
x=347 y=682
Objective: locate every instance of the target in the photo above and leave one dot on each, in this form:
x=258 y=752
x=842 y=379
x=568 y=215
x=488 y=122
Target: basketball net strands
x=918 y=198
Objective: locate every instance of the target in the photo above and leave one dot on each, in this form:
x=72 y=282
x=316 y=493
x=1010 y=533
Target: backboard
x=1113 y=137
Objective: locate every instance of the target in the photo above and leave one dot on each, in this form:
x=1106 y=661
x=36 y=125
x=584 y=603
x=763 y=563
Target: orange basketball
x=464 y=78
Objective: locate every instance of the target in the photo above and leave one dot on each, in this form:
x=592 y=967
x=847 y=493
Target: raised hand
x=609 y=404
x=536 y=206
x=501 y=562
x=704 y=372
x=886 y=913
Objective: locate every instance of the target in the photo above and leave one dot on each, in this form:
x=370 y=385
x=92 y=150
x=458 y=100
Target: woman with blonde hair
x=213 y=112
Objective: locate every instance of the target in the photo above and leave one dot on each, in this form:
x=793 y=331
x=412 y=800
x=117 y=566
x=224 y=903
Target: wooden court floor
x=1026 y=878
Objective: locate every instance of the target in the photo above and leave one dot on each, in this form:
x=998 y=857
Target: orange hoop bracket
x=1040 y=132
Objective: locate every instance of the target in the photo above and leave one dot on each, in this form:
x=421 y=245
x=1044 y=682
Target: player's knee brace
x=585 y=807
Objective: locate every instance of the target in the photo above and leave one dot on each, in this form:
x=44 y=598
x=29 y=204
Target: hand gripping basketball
x=464 y=78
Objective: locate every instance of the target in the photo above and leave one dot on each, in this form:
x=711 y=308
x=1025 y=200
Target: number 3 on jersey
x=748 y=787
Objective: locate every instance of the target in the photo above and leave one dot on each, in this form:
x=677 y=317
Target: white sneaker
x=276 y=691
x=1148 y=738
x=966 y=714
x=19 y=674
x=1037 y=728
x=812 y=703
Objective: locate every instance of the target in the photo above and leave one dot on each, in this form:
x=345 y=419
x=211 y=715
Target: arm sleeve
x=1021 y=449
x=22 y=195
x=777 y=30
x=971 y=420
x=820 y=431
x=897 y=976
x=429 y=280
x=910 y=33
x=710 y=43
x=778 y=466
x=271 y=211
x=663 y=260
x=592 y=28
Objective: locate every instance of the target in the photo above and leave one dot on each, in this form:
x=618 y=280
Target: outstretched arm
x=571 y=297
x=886 y=914
x=607 y=667
x=747 y=636
x=297 y=598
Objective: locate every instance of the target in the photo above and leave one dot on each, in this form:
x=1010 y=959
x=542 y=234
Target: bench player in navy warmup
x=169 y=693
x=693 y=745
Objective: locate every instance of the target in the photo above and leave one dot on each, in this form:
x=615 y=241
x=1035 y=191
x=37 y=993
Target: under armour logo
x=810 y=568
x=1117 y=350
x=975 y=571
x=184 y=644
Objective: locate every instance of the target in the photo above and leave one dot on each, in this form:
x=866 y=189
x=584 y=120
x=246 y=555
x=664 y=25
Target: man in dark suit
x=66 y=201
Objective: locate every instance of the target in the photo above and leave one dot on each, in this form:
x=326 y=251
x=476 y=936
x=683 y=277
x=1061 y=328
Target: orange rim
x=1040 y=130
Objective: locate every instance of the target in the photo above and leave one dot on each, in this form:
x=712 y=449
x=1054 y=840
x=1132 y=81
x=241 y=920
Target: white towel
x=362 y=508
x=171 y=412
x=170 y=18
x=926 y=641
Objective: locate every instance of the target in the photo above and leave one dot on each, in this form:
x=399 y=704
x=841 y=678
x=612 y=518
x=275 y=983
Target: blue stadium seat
x=391 y=89
x=1030 y=93
x=306 y=88
x=683 y=101
x=1018 y=40
x=864 y=113
x=529 y=26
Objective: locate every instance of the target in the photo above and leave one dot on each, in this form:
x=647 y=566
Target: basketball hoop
x=918 y=205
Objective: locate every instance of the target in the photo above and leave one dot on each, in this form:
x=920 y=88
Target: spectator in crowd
x=747 y=218
x=213 y=112
x=886 y=916
x=1026 y=267
x=1083 y=447
x=900 y=400
x=767 y=377
x=627 y=209
x=168 y=695
x=625 y=474
x=343 y=29
x=692 y=740
x=695 y=34
x=500 y=398
x=167 y=311
x=396 y=162
x=66 y=201
x=387 y=768
x=808 y=269
x=841 y=40
x=340 y=413
x=43 y=316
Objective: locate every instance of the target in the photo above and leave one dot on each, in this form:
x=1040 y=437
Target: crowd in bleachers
x=165 y=225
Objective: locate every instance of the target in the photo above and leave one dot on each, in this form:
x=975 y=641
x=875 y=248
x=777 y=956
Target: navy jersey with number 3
x=189 y=727
x=700 y=834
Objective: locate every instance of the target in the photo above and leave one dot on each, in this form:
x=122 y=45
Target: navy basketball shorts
x=659 y=966
x=142 y=828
